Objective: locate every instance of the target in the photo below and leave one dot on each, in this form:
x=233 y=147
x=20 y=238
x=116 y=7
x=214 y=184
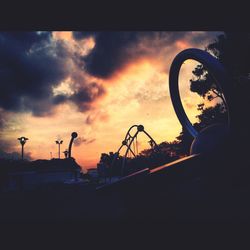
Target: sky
x=97 y=84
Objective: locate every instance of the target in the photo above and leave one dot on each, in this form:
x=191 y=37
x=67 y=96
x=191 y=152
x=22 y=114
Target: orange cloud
x=181 y=44
x=63 y=35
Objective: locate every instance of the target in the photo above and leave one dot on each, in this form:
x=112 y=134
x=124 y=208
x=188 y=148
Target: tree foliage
x=232 y=49
x=204 y=85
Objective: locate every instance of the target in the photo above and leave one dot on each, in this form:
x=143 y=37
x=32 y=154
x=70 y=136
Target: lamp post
x=22 y=142
x=73 y=136
x=59 y=142
x=66 y=153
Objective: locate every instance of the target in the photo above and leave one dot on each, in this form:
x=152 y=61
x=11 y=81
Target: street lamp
x=66 y=153
x=59 y=142
x=22 y=142
x=73 y=136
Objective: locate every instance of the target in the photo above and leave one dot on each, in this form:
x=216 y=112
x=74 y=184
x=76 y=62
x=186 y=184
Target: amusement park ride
x=201 y=186
x=131 y=144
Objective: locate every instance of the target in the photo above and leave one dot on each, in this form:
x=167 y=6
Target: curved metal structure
x=216 y=70
x=128 y=142
x=73 y=136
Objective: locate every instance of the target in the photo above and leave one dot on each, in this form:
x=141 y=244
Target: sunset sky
x=95 y=83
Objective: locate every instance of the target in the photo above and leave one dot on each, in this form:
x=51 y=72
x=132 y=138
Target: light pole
x=22 y=142
x=73 y=136
x=66 y=153
x=59 y=142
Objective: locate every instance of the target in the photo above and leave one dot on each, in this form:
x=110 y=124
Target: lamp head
x=22 y=140
x=74 y=135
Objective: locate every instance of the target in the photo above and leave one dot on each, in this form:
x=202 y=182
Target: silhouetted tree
x=204 y=85
x=184 y=141
x=232 y=49
x=211 y=115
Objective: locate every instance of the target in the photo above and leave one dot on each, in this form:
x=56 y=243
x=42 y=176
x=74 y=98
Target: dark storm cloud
x=31 y=64
x=109 y=52
x=83 y=97
x=113 y=50
x=28 y=70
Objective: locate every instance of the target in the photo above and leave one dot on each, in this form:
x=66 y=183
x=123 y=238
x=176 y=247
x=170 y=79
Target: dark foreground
x=192 y=190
